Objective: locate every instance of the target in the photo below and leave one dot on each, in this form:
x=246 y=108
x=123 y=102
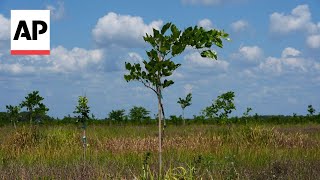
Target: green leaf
x=155 y=33
x=127 y=78
x=175 y=32
x=128 y=66
x=165 y=28
x=167 y=83
x=209 y=54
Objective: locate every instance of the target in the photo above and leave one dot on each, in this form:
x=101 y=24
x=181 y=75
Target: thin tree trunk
x=84 y=139
x=184 y=121
x=160 y=131
x=160 y=108
x=30 y=113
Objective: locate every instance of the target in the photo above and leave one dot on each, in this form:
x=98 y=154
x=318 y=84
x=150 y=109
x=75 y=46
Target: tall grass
x=190 y=152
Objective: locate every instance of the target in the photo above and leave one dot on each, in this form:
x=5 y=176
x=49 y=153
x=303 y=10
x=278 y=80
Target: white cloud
x=289 y=51
x=295 y=63
x=205 y=23
x=58 y=11
x=239 y=25
x=247 y=73
x=195 y=60
x=16 y=68
x=60 y=60
x=4 y=28
x=63 y=60
x=299 y=19
x=289 y=61
x=122 y=30
x=251 y=53
x=135 y=57
x=313 y=41
x=271 y=65
x=131 y=57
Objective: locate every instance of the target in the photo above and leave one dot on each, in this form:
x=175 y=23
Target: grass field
x=190 y=152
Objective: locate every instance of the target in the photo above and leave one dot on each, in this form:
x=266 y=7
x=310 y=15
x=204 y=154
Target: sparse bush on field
x=13 y=114
x=117 y=116
x=33 y=104
x=139 y=115
x=221 y=107
x=176 y=120
x=311 y=110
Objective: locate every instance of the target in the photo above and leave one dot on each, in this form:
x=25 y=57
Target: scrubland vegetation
x=254 y=151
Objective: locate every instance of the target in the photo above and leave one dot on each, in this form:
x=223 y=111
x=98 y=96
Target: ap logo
x=30 y=32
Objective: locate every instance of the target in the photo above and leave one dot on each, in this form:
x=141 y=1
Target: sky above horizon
x=272 y=62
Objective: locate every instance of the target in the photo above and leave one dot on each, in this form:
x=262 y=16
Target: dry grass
x=219 y=152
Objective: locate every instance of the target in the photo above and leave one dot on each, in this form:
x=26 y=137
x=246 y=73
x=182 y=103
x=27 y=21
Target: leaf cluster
x=311 y=110
x=185 y=102
x=221 y=107
x=117 y=115
x=13 y=112
x=139 y=114
x=166 y=44
x=33 y=104
x=82 y=109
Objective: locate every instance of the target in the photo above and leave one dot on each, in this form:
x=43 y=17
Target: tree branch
x=148 y=86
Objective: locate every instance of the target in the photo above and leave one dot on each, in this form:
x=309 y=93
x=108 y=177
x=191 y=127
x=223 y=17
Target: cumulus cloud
x=289 y=61
x=122 y=30
x=289 y=51
x=313 y=41
x=4 y=28
x=251 y=53
x=205 y=23
x=17 y=68
x=272 y=65
x=61 y=60
x=57 y=12
x=195 y=60
x=239 y=25
x=299 y=19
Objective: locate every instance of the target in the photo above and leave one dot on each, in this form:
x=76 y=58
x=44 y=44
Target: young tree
x=221 y=107
x=33 y=104
x=139 y=114
x=117 y=115
x=185 y=103
x=246 y=114
x=159 y=66
x=311 y=110
x=83 y=110
x=13 y=112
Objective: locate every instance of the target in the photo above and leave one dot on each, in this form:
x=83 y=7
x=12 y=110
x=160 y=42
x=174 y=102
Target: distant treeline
x=118 y=118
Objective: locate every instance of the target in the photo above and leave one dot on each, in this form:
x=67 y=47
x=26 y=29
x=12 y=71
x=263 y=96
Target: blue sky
x=272 y=63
